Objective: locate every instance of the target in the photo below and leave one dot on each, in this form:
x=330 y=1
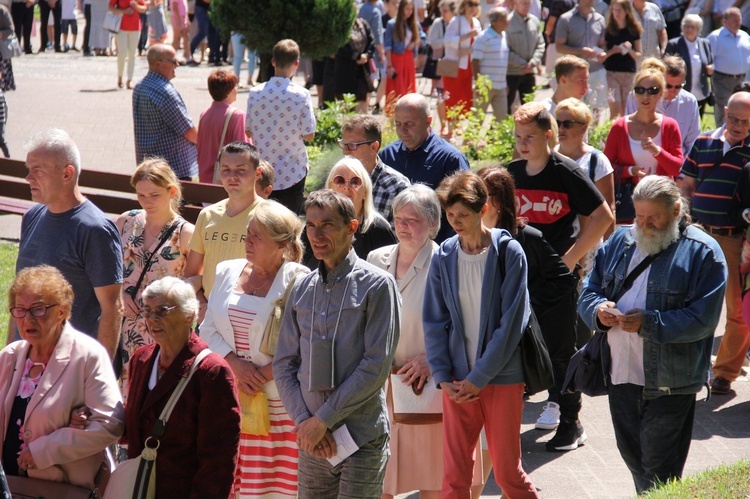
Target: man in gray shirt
x=338 y=336
x=526 y=46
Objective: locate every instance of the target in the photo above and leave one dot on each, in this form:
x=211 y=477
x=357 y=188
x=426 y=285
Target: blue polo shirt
x=428 y=164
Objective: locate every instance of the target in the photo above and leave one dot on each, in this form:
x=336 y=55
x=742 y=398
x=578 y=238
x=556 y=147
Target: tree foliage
x=320 y=27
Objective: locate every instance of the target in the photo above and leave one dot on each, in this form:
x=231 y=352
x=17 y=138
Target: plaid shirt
x=161 y=120
x=386 y=184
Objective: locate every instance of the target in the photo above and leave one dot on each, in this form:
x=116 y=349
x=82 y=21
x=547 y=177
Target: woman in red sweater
x=645 y=142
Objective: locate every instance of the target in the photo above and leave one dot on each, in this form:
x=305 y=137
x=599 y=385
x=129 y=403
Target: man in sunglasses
x=676 y=103
x=361 y=136
x=712 y=172
x=420 y=154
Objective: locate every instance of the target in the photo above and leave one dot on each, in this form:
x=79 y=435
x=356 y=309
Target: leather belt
x=742 y=75
x=721 y=231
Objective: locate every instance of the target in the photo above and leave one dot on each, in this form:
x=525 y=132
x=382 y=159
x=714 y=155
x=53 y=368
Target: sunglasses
x=472 y=4
x=568 y=124
x=160 y=312
x=675 y=86
x=354 y=182
x=649 y=91
x=352 y=146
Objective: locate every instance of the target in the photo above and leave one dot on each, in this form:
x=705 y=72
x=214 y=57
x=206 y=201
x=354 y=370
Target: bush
x=320 y=27
x=321 y=159
x=329 y=120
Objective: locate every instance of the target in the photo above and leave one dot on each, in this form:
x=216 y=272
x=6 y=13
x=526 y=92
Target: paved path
x=79 y=94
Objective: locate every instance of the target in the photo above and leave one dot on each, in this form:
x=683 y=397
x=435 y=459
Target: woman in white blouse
x=459 y=36
x=435 y=38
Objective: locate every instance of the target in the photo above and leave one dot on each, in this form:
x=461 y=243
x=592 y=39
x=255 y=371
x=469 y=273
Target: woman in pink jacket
x=645 y=142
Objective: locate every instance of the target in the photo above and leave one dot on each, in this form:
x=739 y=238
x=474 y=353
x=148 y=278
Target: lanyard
x=335 y=332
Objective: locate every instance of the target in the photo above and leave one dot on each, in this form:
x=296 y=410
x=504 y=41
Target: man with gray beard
x=656 y=290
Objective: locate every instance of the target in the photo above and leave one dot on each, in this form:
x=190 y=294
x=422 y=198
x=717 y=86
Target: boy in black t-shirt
x=552 y=192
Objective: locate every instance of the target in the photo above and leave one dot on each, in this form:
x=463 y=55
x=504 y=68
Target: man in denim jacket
x=661 y=340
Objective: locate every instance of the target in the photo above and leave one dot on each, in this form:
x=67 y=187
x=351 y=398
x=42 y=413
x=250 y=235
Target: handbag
x=273 y=324
x=535 y=359
x=217 y=164
x=587 y=372
x=112 y=22
x=256 y=417
x=447 y=67
x=136 y=478
x=412 y=405
x=9 y=47
x=624 y=207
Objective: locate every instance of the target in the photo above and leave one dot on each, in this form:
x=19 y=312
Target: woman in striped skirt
x=244 y=298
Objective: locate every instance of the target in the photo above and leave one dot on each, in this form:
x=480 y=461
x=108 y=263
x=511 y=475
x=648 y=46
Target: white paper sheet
x=613 y=311
x=345 y=445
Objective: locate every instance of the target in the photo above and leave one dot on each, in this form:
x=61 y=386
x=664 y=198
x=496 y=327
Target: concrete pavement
x=80 y=95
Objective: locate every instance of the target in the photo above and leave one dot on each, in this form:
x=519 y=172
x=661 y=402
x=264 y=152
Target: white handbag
x=136 y=478
x=112 y=22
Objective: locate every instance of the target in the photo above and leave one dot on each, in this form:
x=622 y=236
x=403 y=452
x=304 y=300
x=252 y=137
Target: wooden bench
x=111 y=192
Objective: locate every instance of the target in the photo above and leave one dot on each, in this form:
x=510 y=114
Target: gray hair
x=662 y=189
x=424 y=200
x=448 y=3
x=355 y=166
x=179 y=290
x=58 y=144
x=497 y=13
x=692 y=18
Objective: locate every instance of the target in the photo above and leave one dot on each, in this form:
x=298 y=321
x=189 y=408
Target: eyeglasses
x=174 y=62
x=160 y=312
x=568 y=124
x=354 y=182
x=38 y=311
x=675 y=86
x=649 y=91
x=352 y=146
x=737 y=121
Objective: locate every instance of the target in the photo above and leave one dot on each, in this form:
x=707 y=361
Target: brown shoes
x=721 y=386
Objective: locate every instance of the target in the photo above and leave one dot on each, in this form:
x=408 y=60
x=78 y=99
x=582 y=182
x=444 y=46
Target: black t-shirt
x=202 y=3
x=553 y=198
x=619 y=62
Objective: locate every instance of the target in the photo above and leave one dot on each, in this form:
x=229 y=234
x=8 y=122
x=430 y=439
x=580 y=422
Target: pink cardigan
x=669 y=160
x=209 y=134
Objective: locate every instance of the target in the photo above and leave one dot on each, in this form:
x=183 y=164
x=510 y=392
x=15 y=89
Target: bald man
x=420 y=154
x=160 y=118
x=713 y=170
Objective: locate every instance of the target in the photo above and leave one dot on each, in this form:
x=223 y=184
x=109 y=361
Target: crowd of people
x=374 y=349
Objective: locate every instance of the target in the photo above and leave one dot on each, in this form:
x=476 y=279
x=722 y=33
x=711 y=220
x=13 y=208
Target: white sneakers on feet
x=550 y=418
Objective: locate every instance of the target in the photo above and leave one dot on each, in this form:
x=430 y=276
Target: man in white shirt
x=489 y=57
x=731 y=48
x=280 y=119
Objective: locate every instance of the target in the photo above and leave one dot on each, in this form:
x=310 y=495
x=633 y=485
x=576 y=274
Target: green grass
x=726 y=481
x=8 y=255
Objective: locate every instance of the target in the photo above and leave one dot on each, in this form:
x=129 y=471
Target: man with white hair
x=659 y=311
x=66 y=231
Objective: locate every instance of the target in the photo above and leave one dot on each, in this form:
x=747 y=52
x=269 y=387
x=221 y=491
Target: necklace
x=255 y=289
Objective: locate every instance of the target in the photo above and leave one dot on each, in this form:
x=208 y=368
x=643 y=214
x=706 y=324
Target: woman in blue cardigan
x=475 y=310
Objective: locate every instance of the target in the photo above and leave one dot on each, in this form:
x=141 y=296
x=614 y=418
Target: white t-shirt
x=603 y=166
x=470 y=276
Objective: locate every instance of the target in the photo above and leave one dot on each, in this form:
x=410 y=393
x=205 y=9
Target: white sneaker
x=550 y=418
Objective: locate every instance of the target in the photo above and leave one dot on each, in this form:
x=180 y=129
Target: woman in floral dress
x=154 y=245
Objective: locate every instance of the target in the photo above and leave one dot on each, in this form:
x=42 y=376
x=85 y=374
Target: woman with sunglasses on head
x=645 y=142
x=623 y=44
x=350 y=178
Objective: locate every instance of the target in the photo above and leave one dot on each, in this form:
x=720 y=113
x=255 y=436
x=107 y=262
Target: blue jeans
x=201 y=17
x=653 y=435
x=360 y=475
x=238 y=48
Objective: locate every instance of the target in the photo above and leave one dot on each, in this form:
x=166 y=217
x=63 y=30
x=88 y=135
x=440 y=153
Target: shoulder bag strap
x=161 y=424
x=150 y=261
x=226 y=125
x=593 y=162
x=633 y=275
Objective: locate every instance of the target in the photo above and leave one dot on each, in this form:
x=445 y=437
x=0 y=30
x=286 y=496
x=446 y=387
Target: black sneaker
x=569 y=436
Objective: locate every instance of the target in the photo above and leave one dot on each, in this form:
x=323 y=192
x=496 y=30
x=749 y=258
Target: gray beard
x=653 y=244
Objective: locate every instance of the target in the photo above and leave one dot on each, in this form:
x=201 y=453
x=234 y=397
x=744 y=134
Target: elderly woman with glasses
x=645 y=142
x=198 y=451
x=350 y=178
x=51 y=371
x=698 y=56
